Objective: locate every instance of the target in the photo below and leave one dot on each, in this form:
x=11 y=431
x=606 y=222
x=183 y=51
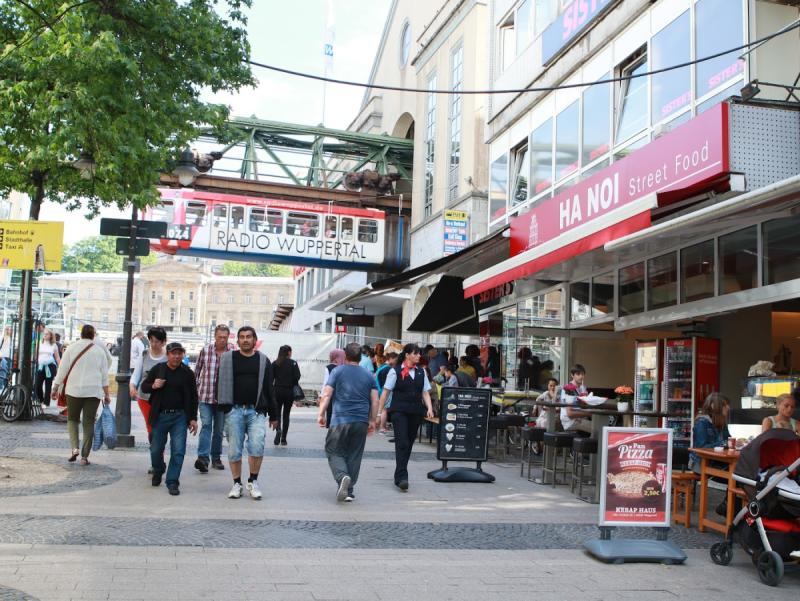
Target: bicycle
x=16 y=402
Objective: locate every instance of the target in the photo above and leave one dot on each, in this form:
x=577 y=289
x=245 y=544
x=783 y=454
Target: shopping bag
x=109 y=427
x=97 y=442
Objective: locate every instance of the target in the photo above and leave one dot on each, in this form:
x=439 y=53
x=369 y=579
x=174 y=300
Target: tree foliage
x=96 y=254
x=256 y=269
x=117 y=79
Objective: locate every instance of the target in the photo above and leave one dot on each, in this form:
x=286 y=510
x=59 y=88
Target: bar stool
x=530 y=435
x=503 y=425
x=581 y=448
x=556 y=443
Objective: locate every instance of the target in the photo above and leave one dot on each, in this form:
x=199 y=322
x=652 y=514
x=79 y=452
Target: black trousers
x=43 y=385
x=405 y=426
x=285 y=400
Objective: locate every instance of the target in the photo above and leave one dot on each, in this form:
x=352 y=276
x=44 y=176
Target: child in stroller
x=768 y=528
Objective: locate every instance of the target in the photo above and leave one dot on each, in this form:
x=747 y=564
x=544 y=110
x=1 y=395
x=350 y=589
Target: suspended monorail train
x=264 y=230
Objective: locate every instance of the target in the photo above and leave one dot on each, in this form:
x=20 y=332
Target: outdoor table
x=729 y=458
x=508 y=398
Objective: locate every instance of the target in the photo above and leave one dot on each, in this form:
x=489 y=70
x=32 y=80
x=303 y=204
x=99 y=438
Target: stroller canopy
x=776 y=446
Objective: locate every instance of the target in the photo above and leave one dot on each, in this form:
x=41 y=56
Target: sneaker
x=283 y=442
x=174 y=490
x=254 y=490
x=156 y=480
x=217 y=464
x=201 y=465
x=403 y=485
x=236 y=491
x=350 y=498
x=344 y=484
x=277 y=440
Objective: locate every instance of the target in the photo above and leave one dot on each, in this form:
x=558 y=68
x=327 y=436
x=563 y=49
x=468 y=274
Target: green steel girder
x=356 y=149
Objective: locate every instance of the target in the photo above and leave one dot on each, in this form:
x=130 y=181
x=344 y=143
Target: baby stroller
x=768 y=528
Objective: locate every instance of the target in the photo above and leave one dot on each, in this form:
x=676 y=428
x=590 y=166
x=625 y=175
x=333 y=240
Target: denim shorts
x=241 y=421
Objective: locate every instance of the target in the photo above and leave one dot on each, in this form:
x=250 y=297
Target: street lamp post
x=123 y=378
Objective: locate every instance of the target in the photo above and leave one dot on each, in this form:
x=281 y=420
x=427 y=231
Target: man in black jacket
x=173 y=410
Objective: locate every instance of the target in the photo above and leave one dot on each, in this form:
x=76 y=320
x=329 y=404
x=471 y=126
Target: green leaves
x=256 y=269
x=96 y=254
x=119 y=79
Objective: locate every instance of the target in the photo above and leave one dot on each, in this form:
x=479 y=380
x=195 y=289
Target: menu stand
x=635 y=455
x=460 y=474
x=463 y=434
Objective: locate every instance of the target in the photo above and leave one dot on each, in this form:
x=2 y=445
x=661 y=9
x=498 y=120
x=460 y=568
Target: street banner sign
x=455 y=231
x=142 y=247
x=635 y=477
x=31 y=245
x=122 y=227
x=348 y=319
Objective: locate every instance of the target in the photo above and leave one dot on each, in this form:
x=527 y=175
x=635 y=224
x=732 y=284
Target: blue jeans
x=175 y=425
x=241 y=421
x=210 y=439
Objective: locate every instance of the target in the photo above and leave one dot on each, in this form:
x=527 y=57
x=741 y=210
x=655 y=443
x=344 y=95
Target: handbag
x=61 y=397
x=297 y=393
x=105 y=430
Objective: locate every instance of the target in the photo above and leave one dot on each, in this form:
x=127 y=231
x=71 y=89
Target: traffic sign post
x=122 y=227
x=141 y=247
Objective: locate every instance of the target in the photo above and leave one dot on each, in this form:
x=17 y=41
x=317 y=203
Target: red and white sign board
x=614 y=202
x=635 y=477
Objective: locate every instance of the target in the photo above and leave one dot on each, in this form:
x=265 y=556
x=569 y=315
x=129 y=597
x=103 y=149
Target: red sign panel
x=693 y=154
x=635 y=477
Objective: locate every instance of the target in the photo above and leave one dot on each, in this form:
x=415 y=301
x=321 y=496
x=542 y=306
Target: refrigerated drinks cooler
x=646 y=389
x=691 y=373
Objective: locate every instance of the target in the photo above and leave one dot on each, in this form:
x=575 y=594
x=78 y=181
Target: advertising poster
x=464 y=425
x=455 y=231
x=635 y=477
x=36 y=245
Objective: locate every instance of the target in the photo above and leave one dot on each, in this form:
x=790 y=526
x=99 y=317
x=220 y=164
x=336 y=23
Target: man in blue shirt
x=354 y=414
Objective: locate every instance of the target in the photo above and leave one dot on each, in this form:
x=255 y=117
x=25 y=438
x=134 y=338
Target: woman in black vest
x=411 y=402
x=286 y=375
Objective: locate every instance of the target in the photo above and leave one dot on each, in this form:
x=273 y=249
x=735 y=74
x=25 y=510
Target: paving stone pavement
x=513 y=540
x=295 y=534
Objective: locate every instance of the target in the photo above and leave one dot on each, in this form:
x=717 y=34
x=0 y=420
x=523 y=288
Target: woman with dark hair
x=286 y=377
x=410 y=388
x=711 y=426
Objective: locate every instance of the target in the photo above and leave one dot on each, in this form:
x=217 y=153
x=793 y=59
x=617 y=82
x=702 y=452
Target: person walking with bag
x=83 y=378
x=286 y=381
x=46 y=366
x=173 y=410
x=411 y=402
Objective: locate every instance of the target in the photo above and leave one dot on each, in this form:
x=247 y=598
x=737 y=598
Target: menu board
x=464 y=424
x=635 y=477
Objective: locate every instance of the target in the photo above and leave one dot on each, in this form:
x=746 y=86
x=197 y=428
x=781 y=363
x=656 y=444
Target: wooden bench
x=683 y=483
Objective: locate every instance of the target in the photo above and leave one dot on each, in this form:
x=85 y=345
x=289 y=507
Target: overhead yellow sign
x=31 y=245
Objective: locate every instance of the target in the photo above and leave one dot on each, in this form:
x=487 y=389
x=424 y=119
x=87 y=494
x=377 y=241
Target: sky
x=291 y=35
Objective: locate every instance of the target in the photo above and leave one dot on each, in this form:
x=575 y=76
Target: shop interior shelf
x=680 y=400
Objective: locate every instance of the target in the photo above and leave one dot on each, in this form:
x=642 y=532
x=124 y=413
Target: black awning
x=447 y=311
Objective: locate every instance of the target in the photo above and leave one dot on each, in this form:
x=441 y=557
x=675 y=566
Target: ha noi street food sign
x=635 y=477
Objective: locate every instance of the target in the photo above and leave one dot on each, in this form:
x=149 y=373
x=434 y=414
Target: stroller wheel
x=770 y=568
x=722 y=553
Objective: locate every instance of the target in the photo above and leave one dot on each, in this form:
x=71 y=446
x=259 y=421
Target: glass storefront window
x=717 y=98
x=632 y=104
x=542 y=157
x=540 y=311
x=718 y=27
x=621 y=154
x=697 y=272
x=631 y=289
x=524 y=25
x=567 y=140
x=580 y=308
x=498 y=188
x=781 y=250
x=596 y=122
x=520 y=169
x=603 y=295
x=738 y=257
x=671 y=89
x=662 y=281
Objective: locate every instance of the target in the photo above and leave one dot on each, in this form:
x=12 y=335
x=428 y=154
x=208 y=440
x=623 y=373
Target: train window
x=164 y=212
x=269 y=221
x=195 y=213
x=330 y=226
x=237 y=218
x=220 y=216
x=347 y=229
x=302 y=224
x=367 y=230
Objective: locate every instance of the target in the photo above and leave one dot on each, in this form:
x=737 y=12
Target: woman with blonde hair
x=786 y=404
x=46 y=367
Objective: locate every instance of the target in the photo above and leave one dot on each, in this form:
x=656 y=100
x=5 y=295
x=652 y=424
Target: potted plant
x=624 y=398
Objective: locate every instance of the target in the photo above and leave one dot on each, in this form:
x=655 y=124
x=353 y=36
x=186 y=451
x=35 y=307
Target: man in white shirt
x=575 y=419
